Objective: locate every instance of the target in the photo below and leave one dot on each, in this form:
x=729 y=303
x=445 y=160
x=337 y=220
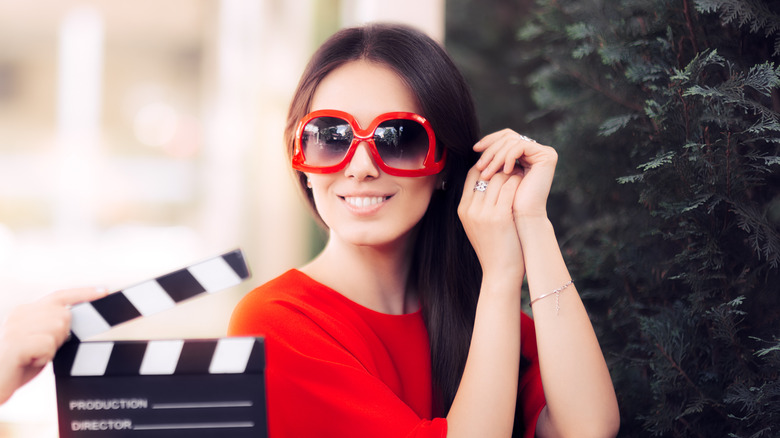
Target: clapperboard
x=160 y=388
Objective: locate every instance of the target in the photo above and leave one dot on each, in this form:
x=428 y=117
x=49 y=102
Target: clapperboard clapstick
x=159 y=294
x=161 y=388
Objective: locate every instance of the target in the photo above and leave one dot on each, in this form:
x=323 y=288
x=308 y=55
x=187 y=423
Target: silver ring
x=481 y=186
x=523 y=137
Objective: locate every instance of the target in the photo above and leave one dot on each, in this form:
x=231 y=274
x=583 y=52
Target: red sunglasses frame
x=430 y=165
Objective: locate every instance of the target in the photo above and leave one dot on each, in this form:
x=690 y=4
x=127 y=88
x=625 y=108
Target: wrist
x=528 y=225
x=505 y=281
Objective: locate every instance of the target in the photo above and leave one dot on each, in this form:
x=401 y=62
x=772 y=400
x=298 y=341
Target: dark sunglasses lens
x=402 y=144
x=325 y=141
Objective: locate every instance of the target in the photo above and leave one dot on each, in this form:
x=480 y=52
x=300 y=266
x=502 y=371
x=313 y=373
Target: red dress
x=337 y=369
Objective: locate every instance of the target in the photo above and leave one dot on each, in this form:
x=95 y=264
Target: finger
x=504 y=149
x=483 y=143
x=40 y=319
x=536 y=153
x=490 y=147
x=506 y=153
x=513 y=166
x=494 y=189
x=491 y=138
x=486 y=158
x=468 y=186
x=496 y=161
x=523 y=154
x=69 y=297
x=509 y=188
x=61 y=331
x=471 y=180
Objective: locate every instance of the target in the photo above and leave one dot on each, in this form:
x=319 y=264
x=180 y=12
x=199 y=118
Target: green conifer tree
x=665 y=114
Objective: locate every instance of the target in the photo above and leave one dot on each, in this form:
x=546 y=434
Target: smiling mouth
x=364 y=201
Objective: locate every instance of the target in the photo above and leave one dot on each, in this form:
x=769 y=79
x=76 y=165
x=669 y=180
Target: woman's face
x=361 y=204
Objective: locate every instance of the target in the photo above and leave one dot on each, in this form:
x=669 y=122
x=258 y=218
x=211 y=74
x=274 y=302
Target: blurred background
x=139 y=137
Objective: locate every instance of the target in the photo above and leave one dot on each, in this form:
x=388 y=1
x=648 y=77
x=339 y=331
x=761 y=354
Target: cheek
x=422 y=194
x=319 y=192
x=319 y=196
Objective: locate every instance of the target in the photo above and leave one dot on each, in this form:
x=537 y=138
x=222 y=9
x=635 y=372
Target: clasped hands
x=518 y=173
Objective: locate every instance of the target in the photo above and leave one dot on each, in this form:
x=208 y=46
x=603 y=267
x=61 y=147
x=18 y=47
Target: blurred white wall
x=139 y=137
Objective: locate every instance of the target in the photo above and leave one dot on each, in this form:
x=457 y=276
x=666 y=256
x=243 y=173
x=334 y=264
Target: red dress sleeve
x=321 y=373
x=530 y=391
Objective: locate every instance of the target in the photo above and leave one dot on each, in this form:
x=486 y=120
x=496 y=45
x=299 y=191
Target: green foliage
x=757 y=15
x=665 y=114
x=681 y=262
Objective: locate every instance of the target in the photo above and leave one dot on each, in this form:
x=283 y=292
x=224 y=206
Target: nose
x=362 y=164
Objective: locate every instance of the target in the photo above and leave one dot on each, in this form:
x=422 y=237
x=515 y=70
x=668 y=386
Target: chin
x=368 y=237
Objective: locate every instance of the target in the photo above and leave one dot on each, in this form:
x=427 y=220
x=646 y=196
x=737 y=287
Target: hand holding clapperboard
x=160 y=388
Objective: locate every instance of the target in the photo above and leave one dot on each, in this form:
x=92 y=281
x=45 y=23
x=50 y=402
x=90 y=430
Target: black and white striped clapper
x=158 y=294
x=161 y=388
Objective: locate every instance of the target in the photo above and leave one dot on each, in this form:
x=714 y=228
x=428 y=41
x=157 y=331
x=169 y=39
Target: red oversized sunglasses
x=401 y=143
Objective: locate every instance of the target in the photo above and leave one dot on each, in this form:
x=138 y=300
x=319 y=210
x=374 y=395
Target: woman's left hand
x=511 y=153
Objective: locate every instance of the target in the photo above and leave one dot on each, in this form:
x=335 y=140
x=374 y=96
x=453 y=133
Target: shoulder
x=288 y=286
x=272 y=290
x=285 y=294
x=301 y=319
x=290 y=303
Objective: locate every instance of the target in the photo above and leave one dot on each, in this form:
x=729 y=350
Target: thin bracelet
x=557 y=293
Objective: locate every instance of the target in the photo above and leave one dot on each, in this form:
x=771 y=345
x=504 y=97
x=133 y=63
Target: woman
x=408 y=323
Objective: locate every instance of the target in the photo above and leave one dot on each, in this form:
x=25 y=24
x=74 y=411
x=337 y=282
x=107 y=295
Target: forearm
x=580 y=397
x=485 y=401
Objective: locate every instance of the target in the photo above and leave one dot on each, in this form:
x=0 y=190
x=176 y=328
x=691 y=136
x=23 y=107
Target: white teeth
x=365 y=201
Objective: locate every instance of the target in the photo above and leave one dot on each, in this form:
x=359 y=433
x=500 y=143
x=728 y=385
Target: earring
x=308 y=182
x=443 y=184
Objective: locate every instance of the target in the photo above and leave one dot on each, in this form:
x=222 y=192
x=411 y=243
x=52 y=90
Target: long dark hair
x=445 y=270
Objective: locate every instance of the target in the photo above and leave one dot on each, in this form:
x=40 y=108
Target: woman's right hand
x=488 y=221
x=32 y=333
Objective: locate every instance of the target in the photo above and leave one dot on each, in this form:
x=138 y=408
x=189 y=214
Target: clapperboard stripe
x=161 y=357
x=159 y=294
x=168 y=357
